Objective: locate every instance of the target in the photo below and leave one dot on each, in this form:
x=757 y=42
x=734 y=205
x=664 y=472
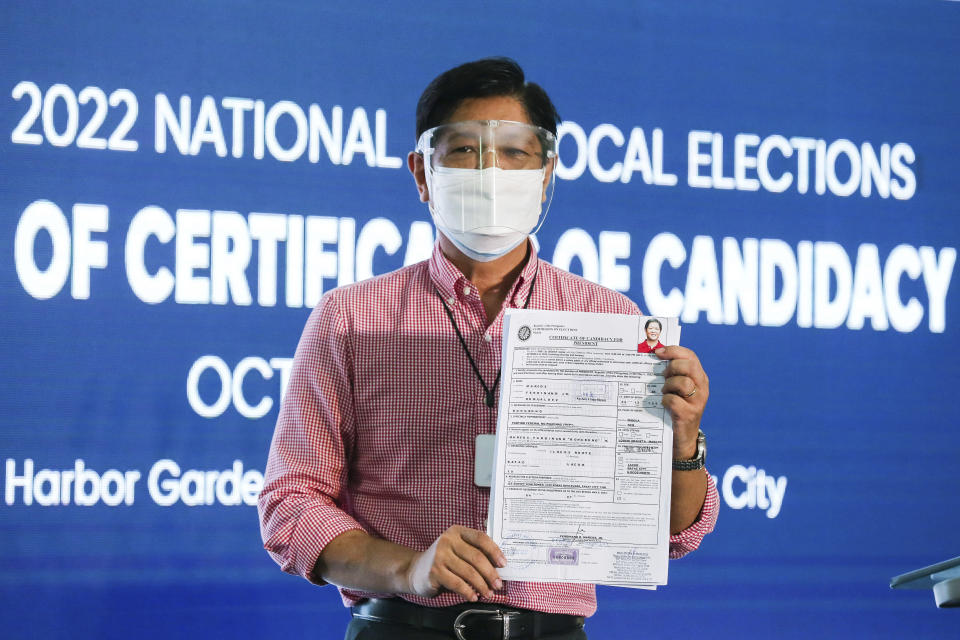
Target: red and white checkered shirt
x=377 y=426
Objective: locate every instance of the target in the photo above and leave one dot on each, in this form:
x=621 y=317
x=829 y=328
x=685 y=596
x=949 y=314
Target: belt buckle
x=503 y=616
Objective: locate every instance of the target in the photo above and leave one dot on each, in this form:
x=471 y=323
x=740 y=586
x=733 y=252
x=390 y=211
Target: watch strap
x=698 y=461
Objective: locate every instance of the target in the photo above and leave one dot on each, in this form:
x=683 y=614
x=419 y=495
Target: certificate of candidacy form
x=582 y=464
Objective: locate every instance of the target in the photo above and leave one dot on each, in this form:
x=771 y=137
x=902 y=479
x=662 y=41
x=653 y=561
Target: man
x=652 y=328
x=369 y=482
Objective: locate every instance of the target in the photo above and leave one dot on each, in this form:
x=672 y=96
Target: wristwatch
x=696 y=462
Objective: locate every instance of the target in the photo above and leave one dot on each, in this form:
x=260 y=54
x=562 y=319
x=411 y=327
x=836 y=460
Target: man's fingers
x=450 y=581
x=686 y=388
x=685 y=367
x=461 y=560
x=680 y=408
x=479 y=561
x=461 y=565
x=486 y=544
x=669 y=353
x=682 y=386
x=681 y=367
x=469 y=574
x=681 y=370
x=483 y=554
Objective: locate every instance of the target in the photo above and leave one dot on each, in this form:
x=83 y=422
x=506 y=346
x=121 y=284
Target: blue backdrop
x=181 y=181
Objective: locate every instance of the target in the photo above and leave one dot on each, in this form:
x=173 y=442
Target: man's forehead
x=490 y=108
x=502 y=129
x=499 y=128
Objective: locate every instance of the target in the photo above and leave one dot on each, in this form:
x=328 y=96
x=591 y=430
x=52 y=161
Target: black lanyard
x=489 y=391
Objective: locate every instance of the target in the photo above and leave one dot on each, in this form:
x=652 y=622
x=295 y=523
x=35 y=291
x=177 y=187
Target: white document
x=582 y=467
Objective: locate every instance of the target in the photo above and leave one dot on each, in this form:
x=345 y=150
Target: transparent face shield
x=488 y=177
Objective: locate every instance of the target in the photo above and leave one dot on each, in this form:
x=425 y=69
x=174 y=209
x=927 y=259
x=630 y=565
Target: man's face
x=653 y=332
x=489 y=108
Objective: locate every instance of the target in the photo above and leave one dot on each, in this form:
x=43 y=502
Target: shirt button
x=452 y=301
x=466 y=291
x=488 y=337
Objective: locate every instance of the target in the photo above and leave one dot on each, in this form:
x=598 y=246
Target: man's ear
x=417 y=170
x=547 y=175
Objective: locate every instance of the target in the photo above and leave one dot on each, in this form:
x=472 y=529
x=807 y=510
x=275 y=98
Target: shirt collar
x=448 y=278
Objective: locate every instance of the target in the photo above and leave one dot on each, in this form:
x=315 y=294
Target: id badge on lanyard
x=483 y=459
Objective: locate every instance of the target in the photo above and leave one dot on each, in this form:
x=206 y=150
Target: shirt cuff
x=689 y=539
x=314 y=531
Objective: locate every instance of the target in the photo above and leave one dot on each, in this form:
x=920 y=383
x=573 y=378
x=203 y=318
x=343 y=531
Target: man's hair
x=650 y=322
x=481 y=79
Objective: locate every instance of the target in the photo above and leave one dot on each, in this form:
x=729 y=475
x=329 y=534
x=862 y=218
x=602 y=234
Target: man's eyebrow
x=454 y=136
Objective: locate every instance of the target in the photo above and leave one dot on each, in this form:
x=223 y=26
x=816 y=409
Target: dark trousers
x=360 y=629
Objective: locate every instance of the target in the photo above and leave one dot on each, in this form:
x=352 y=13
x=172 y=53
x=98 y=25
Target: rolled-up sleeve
x=689 y=539
x=301 y=506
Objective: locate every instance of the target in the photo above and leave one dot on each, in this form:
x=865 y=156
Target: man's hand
x=461 y=560
x=685 y=394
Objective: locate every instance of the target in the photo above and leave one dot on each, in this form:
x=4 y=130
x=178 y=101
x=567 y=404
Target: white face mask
x=485 y=212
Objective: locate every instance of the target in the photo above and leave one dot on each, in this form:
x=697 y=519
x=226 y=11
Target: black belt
x=469 y=620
